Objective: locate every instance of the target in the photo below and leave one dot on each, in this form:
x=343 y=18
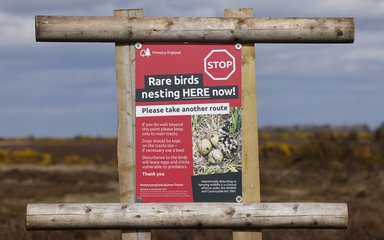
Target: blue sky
x=66 y=89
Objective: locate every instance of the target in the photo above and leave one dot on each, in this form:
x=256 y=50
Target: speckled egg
x=204 y=147
x=215 y=139
x=215 y=156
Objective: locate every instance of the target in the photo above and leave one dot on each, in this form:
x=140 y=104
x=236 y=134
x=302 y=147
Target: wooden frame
x=127 y=27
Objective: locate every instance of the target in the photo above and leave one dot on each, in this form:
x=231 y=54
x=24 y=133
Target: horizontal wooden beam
x=186 y=215
x=186 y=29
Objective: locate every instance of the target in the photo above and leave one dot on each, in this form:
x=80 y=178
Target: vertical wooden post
x=126 y=145
x=251 y=176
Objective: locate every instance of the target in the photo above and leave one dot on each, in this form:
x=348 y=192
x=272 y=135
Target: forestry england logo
x=145 y=53
x=219 y=64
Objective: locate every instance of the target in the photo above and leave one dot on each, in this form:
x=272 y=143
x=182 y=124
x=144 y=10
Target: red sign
x=180 y=105
x=219 y=64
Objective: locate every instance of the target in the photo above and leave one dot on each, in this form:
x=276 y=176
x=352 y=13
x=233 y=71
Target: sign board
x=188 y=123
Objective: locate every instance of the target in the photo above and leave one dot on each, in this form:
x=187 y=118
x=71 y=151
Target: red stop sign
x=219 y=64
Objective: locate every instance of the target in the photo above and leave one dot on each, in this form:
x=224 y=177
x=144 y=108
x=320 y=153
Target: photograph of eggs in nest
x=217 y=143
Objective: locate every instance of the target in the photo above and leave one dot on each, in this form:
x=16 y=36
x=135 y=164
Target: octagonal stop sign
x=219 y=64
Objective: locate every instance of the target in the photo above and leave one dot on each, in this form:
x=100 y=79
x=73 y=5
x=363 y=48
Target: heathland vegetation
x=326 y=146
x=80 y=150
x=330 y=147
x=297 y=164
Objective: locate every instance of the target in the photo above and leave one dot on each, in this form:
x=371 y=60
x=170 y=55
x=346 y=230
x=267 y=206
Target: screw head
x=138 y=45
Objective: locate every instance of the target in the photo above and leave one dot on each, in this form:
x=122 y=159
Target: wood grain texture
x=126 y=147
x=186 y=215
x=197 y=29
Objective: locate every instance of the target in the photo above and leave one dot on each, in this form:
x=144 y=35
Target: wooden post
x=186 y=215
x=126 y=152
x=251 y=175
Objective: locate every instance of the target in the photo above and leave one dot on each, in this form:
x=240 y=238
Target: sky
x=68 y=89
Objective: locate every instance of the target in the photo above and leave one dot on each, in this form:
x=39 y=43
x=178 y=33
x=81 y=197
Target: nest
x=203 y=127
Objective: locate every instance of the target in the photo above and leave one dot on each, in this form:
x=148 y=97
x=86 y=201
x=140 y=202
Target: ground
x=20 y=185
x=90 y=175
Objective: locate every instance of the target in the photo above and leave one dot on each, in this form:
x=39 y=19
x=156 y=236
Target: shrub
x=25 y=156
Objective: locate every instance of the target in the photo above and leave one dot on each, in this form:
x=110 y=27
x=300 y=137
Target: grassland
x=324 y=164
